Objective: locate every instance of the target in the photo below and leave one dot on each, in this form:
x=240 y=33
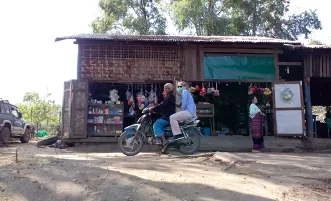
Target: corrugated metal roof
x=172 y=38
x=302 y=46
x=316 y=46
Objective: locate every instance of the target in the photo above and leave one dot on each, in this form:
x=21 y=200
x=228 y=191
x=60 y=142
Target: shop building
x=222 y=73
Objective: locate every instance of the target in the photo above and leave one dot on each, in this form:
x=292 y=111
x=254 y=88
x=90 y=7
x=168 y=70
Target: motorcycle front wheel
x=192 y=144
x=130 y=143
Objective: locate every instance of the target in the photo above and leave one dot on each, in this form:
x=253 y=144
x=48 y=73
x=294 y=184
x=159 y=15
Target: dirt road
x=49 y=174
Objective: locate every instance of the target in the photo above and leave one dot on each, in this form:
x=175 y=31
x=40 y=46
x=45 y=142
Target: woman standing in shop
x=256 y=116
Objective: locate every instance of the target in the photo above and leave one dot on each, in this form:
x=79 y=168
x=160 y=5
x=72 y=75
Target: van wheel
x=5 y=135
x=26 y=136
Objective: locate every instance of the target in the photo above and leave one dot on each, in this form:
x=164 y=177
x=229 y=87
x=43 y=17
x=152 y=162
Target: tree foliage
x=142 y=17
x=206 y=17
x=270 y=18
x=39 y=111
x=315 y=42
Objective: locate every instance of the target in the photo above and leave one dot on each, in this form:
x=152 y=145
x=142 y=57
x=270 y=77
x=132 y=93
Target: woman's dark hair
x=251 y=98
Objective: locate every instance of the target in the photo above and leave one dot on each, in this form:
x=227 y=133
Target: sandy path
x=47 y=174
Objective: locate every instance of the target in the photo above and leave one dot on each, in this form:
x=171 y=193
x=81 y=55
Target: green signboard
x=239 y=68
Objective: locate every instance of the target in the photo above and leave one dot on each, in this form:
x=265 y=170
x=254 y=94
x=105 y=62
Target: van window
x=2 y=108
x=14 y=112
x=6 y=109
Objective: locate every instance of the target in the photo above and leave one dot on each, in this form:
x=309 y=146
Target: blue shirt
x=188 y=102
x=253 y=110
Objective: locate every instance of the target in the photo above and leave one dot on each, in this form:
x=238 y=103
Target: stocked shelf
x=105 y=119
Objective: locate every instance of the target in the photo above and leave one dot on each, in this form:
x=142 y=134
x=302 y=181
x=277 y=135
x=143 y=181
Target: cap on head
x=169 y=86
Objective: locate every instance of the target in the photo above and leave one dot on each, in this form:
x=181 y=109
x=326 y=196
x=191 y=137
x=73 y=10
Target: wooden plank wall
x=317 y=64
x=192 y=61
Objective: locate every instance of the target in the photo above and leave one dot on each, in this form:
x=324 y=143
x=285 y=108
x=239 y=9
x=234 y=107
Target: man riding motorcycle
x=168 y=107
x=188 y=110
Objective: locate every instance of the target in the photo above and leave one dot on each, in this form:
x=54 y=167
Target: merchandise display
x=113 y=106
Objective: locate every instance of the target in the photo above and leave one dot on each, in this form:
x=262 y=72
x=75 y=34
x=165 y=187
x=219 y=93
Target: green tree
x=141 y=17
x=270 y=18
x=315 y=42
x=39 y=111
x=206 y=17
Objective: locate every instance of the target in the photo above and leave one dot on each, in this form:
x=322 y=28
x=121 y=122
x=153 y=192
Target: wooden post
x=276 y=67
x=309 y=111
x=308 y=142
x=79 y=61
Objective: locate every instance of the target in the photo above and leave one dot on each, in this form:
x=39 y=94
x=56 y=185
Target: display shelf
x=207 y=111
x=105 y=120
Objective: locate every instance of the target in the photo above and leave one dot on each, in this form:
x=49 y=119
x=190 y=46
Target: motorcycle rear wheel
x=136 y=140
x=193 y=144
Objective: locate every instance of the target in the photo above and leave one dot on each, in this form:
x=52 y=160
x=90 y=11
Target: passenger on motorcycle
x=188 y=108
x=168 y=107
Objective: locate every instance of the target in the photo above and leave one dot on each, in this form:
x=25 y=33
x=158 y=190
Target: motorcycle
x=136 y=135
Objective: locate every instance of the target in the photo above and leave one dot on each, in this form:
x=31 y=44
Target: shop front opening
x=223 y=108
x=321 y=102
x=113 y=106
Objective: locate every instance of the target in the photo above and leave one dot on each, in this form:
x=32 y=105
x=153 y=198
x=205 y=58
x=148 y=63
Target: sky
x=32 y=61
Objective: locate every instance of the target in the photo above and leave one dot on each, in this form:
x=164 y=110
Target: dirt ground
x=49 y=174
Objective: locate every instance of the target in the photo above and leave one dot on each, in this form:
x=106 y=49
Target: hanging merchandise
x=212 y=88
x=191 y=89
x=267 y=92
x=131 y=111
x=146 y=95
x=141 y=99
x=113 y=95
x=128 y=96
x=216 y=91
x=203 y=90
x=197 y=88
x=209 y=90
x=131 y=102
x=252 y=89
x=256 y=89
x=151 y=97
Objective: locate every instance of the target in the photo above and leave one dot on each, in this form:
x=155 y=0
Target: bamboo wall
x=129 y=62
